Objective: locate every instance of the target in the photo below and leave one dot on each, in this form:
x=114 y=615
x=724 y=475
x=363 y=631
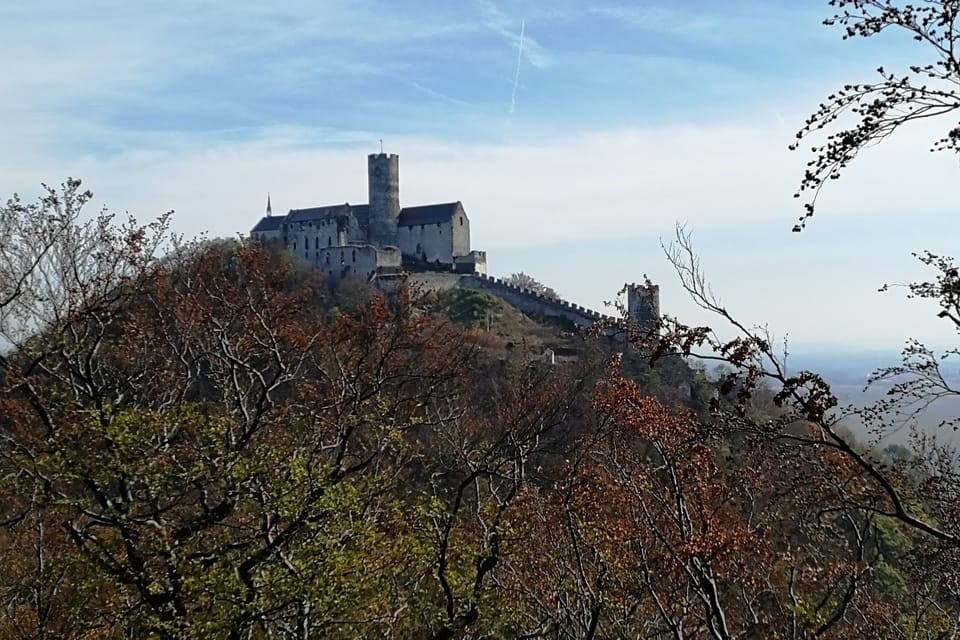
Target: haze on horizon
x=574 y=149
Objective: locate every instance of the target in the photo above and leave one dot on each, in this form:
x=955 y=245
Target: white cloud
x=661 y=18
x=531 y=190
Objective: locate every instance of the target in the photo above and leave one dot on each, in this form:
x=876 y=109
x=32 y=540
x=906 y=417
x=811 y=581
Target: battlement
x=386 y=156
x=532 y=302
x=643 y=303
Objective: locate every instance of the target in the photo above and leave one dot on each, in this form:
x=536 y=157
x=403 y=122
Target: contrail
x=516 y=76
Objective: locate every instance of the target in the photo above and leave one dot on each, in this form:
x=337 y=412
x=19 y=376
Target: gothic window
x=461 y=221
x=328 y=258
x=316 y=242
x=294 y=245
x=329 y=241
x=354 y=255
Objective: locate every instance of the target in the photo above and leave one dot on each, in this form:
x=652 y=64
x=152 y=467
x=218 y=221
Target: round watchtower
x=383 y=180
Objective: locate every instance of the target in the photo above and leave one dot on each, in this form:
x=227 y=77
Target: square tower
x=643 y=304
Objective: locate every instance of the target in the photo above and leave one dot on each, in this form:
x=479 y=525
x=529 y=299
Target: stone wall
x=339 y=262
x=306 y=238
x=473 y=262
x=428 y=242
x=460 y=229
x=532 y=303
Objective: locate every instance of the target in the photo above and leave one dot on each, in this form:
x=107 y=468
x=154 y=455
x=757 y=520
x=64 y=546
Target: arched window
x=461 y=221
x=354 y=255
x=329 y=241
x=316 y=242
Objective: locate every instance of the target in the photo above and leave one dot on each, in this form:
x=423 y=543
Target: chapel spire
x=269 y=208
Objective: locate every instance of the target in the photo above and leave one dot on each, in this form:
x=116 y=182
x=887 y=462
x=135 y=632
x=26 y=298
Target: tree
x=654 y=530
x=929 y=89
x=191 y=435
x=195 y=438
x=525 y=281
x=846 y=499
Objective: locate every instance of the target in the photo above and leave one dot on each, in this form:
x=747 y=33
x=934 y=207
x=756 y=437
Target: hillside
x=551 y=340
x=213 y=444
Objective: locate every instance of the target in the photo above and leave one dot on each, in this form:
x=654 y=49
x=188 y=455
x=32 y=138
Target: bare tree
x=927 y=89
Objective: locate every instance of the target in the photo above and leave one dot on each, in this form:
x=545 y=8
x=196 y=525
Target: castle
x=382 y=242
x=378 y=239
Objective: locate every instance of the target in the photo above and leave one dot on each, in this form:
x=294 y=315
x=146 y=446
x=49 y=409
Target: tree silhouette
x=525 y=281
x=927 y=89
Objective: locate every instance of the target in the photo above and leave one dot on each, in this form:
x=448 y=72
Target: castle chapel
x=380 y=238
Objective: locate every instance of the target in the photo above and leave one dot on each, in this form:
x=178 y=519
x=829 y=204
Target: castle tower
x=643 y=304
x=383 y=179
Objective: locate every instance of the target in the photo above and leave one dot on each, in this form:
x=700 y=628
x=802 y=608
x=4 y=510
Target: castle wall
x=339 y=262
x=307 y=238
x=460 y=232
x=389 y=257
x=433 y=280
x=429 y=242
x=267 y=236
x=525 y=300
x=533 y=303
x=473 y=262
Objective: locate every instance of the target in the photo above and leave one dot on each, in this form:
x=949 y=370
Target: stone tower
x=643 y=304
x=383 y=179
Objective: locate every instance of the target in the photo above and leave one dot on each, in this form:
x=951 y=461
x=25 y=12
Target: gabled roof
x=268 y=223
x=429 y=214
x=325 y=213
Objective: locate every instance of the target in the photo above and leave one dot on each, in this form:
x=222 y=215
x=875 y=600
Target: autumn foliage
x=196 y=442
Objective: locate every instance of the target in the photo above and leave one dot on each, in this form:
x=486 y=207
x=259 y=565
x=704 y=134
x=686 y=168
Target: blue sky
x=573 y=155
